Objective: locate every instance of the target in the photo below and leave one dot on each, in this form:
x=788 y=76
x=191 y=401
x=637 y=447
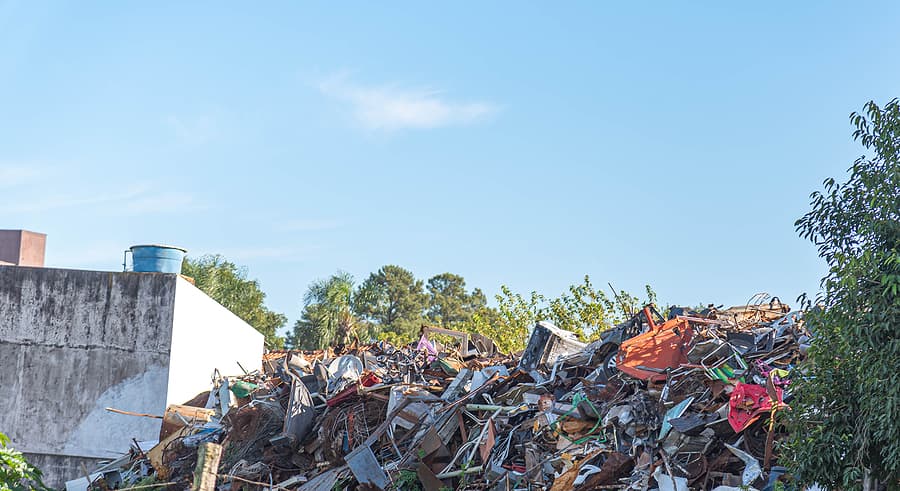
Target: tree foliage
x=327 y=317
x=582 y=309
x=227 y=284
x=392 y=298
x=449 y=304
x=846 y=416
x=16 y=474
x=391 y=304
x=509 y=324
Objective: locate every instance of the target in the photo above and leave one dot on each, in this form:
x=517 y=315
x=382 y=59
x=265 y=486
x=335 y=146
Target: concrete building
x=22 y=248
x=75 y=342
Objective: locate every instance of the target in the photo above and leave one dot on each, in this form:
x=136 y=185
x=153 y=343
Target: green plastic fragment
x=242 y=389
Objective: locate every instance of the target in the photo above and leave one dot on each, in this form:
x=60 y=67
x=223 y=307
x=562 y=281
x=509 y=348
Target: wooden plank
x=207 y=467
x=156 y=453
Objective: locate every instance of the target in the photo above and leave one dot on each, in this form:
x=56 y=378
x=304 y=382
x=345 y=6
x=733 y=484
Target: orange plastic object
x=647 y=356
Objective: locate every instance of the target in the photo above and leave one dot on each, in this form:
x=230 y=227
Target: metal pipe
x=471 y=470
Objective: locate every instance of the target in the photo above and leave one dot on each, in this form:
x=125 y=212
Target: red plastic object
x=342 y=396
x=748 y=402
x=369 y=379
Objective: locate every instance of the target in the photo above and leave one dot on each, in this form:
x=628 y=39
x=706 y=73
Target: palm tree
x=327 y=312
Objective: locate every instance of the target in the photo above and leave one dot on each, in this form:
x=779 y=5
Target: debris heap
x=689 y=401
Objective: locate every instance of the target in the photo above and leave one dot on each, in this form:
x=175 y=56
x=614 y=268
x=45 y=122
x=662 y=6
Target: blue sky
x=512 y=143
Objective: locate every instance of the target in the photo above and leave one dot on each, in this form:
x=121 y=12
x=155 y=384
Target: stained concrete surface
x=72 y=341
x=75 y=342
x=55 y=467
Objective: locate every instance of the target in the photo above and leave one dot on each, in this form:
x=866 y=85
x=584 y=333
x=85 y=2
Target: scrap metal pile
x=691 y=401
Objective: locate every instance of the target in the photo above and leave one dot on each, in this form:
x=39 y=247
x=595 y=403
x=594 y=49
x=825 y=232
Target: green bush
x=16 y=474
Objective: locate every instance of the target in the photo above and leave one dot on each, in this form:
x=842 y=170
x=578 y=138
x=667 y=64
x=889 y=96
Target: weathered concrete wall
x=58 y=469
x=74 y=342
x=207 y=336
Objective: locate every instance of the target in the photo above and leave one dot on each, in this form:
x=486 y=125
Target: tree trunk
x=869 y=483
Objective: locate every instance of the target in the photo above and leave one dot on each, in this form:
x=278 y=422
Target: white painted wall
x=105 y=434
x=206 y=336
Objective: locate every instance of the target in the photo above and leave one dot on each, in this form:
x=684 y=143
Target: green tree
x=517 y=315
x=627 y=305
x=327 y=318
x=449 y=304
x=393 y=299
x=584 y=310
x=846 y=415
x=227 y=284
x=16 y=474
x=508 y=324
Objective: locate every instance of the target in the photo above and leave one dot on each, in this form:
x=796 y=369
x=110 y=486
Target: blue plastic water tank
x=154 y=258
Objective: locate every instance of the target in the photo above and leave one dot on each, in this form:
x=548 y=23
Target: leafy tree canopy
x=227 y=284
x=327 y=317
x=583 y=309
x=393 y=298
x=846 y=416
x=449 y=303
x=391 y=304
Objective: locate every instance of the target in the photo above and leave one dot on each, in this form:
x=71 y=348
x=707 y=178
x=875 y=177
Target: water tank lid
x=161 y=246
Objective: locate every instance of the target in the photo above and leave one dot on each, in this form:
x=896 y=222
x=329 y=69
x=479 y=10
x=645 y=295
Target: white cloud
x=57 y=202
x=392 y=108
x=133 y=201
x=16 y=175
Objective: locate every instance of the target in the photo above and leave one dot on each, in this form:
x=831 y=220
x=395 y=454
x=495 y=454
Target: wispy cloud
x=48 y=203
x=307 y=225
x=16 y=175
x=390 y=108
x=134 y=201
